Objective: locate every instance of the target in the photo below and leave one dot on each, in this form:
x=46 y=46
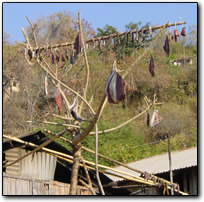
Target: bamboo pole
x=69 y=158
x=88 y=177
x=57 y=124
x=112 y=36
x=96 y=160
x=117 y=162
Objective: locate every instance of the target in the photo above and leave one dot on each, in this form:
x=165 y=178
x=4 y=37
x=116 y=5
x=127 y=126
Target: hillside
x=175 y=87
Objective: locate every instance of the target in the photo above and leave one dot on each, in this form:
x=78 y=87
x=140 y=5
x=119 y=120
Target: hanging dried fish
x=115 y=88
x=171 y=37
x=132 y=36
x=67 y=54
x=150 y=31
x=126 y=38
x=57 y=55
x=87 y=45
x=176 y=34
x=58 y=100
x=151 y=66
x=30 y=54
x=137 y=35
x=46 y=85
x=148 y=119
x=78 y=44
x=166 y=46
x=143 y=34
x=99 y=44
x=93 y=43
x=104 y=42
x=156 y=119
x=183 y=32
x=52 y=58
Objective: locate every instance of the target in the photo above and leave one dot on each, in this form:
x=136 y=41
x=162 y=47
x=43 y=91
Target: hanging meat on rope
x=166 y=46
x=126 y=38
x=148 y=119
x=132 y=36
x=30 y=54
x=48 y=52
x=67 y=54
x=78 y=44
x=58 y=100
x=46 y=85
x=183 y=32
x=156 y=119
x=52 y=57
x=150 y=32
x=171 y=37
x=93 y=43
x=176 y=34
x=57 y=55
x=99 y=44
x=143 y=34
x=137 y=36
x=151 y=66
x=115 y=87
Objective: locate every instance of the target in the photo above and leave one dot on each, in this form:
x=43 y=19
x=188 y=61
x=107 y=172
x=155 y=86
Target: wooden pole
x=112 y=36
x=170 y=165
x=96 y=161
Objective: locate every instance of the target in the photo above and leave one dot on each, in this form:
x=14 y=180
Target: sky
x=98 y=14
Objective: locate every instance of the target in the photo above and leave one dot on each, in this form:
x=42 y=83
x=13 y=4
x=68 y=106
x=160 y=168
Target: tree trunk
x=75 y=168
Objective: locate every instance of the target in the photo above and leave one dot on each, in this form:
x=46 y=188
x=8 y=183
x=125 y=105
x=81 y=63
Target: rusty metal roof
x=160 y=163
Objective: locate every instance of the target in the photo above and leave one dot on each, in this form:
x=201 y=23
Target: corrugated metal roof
x=160 y=163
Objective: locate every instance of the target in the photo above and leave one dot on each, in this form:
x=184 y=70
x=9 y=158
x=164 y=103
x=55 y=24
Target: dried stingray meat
x=78 y=44
x=46 y=85
x=137 y=36
x=57 y=55
x=171 y=37
x=176 y=34
x=166 y=46
x=67 y=54
x=58 y=100
x=30 y=54
x=115 y=88
x=52 y=58
x=156 y=119
x=151 y=66
x=183 y=32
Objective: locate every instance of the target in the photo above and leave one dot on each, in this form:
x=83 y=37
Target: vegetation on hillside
x=175 y=86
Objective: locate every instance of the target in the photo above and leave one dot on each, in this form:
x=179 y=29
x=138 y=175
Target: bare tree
x=36 y=55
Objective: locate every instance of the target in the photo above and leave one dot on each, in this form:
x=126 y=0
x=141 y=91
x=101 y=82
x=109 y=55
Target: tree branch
x=86 y=61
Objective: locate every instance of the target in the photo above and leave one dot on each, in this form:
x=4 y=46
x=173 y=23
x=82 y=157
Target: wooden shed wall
x=13 y=185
